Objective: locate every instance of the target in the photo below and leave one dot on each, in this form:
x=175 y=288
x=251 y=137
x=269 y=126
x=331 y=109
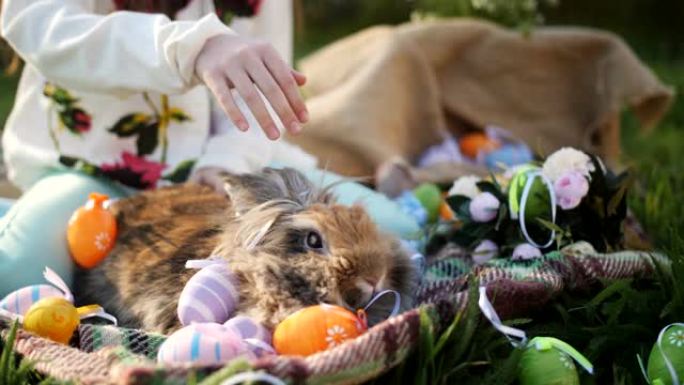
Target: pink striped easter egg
x=19 y=301
x=210 y=295
x=203 y=343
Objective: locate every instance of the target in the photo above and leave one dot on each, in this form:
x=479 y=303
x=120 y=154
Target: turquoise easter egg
x=670 y=348
x=430 y=197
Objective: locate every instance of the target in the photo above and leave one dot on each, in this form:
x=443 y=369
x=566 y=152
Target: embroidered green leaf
x=182 y=171
x=148 y=139
x=79 y=164
x=131 y=124
x=178 y=115
x=59 y=95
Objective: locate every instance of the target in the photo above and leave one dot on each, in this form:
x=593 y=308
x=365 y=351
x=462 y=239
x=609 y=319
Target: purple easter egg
x=248 y=328
x=19 y=301
x=203 y=343
x=210 y=295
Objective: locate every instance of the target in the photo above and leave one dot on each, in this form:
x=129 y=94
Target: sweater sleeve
x=122 y=52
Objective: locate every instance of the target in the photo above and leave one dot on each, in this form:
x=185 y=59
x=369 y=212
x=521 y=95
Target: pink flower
x=484 y=207
x=134 y=171
x=485 y=251
x=570 y=188
x=525 y=251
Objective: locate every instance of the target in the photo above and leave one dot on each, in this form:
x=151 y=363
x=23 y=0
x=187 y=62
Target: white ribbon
x=55 y=280
x=397 y=301
x=202 y=263
x=252 y=377
x=517 y=337
x=101 y=313
x=531 y=176
x=9 y=316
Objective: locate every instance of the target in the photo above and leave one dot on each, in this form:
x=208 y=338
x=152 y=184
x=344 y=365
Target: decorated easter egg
x=430 y=197
x=257 y=337
x=203 y=343
x=91 y=232
x=316 y=328
x=546 y=366
x=210 y=295
x=52 y=318
x=19 y=301
x=669 y=348
x=474 y=143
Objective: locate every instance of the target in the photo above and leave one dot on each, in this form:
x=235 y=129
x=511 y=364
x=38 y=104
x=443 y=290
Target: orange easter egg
x=316 y=328
x=53 y=318
x=91 y=232
x=471 y=144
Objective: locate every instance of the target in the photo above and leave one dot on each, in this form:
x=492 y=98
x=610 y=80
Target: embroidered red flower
x=81 y=120
x=134 y=171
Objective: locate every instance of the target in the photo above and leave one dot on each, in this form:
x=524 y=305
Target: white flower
x=102 y=241
x=677 y=338
x=525 y=251
x=484 y=207
x=485 y=251
x=565 y=160
x=336 y=335
x=465 y=185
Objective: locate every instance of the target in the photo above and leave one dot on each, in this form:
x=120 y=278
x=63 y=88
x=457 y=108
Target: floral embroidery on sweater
x=150 y=130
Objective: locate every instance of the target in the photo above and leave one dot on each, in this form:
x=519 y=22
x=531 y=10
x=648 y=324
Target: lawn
x=610 y=328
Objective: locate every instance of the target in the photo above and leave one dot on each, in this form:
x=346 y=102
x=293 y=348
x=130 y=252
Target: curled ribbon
x=57 y=281
x=518 y=338
x=397 y=301
x=532 y=174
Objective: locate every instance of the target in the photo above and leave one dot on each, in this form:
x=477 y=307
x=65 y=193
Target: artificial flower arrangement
x=539 y=206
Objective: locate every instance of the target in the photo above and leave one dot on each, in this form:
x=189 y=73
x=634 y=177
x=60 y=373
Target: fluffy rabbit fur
x=289 y=244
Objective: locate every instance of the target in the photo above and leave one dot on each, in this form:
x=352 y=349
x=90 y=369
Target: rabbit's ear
x=249 y=190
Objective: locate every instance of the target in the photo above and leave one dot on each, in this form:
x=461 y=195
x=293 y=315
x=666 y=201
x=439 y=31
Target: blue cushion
x=385 y=212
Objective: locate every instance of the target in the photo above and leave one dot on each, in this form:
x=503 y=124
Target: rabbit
x=289 y=244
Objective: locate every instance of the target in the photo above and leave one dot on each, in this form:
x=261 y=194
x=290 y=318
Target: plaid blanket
x=110 y=355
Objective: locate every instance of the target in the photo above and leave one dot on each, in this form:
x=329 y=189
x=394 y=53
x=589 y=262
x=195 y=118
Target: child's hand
x=233 y=61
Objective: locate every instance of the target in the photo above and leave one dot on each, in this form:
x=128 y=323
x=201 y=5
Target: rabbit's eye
x=313 y=240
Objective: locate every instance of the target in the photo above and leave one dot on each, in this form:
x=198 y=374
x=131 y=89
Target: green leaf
x=455 y=202
x=80 y=164
x=550 y=225
x=131 y=124
x=181 y=172
x=148 y=139
x=491 y=188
